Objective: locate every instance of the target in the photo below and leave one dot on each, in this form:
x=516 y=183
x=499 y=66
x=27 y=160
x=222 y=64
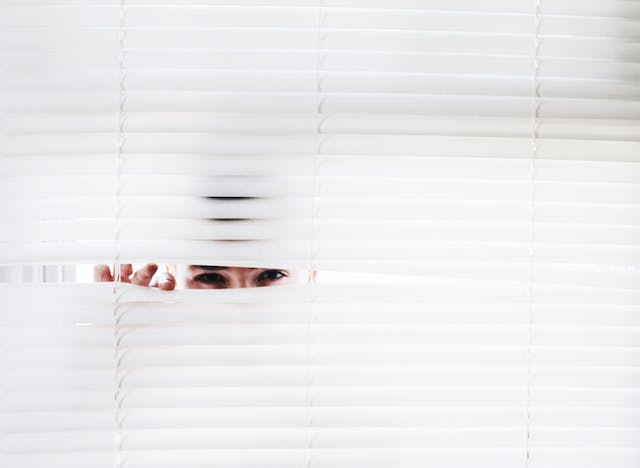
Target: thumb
x=165 y=281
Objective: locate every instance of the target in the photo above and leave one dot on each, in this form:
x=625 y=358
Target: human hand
x=145 y=276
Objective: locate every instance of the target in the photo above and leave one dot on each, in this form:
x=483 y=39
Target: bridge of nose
x=240 y=278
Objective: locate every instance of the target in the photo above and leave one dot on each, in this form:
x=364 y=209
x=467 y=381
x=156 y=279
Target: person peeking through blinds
x=202 y=276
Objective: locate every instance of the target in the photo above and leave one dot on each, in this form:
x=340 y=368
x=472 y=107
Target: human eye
x=213 y=280
x=268 y=277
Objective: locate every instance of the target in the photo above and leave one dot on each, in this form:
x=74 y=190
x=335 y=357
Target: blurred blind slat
x=464 y=176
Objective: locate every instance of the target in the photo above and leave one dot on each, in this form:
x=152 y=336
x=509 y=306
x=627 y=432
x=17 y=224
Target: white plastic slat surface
x=463 y=176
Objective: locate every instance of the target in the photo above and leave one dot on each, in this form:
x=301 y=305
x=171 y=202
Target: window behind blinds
x=462 y=175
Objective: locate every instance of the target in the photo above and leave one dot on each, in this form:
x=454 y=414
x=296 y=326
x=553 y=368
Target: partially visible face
x=219 y=277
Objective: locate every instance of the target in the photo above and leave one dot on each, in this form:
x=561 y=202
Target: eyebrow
x=208 y=267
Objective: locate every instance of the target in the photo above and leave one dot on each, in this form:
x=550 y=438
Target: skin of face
x=218 y=277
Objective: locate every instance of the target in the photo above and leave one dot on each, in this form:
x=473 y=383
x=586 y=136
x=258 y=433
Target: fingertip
x=150 y=270
x=166 y=282
x=144 y=275
x=125 y=272
x=101 y=273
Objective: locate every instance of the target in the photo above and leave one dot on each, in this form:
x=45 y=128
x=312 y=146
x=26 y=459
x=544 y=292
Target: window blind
x=463 y=177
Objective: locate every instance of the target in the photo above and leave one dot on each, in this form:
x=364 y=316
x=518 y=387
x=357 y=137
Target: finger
x=125 y=272
x=143 y=276
x=164 y=281
x=101 y=273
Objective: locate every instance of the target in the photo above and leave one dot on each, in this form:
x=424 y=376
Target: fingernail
x=166 y=281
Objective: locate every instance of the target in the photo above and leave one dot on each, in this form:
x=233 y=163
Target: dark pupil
x=210 y=278
x=271 y=275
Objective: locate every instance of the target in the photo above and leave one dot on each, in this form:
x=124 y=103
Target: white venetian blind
x=463 y=175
